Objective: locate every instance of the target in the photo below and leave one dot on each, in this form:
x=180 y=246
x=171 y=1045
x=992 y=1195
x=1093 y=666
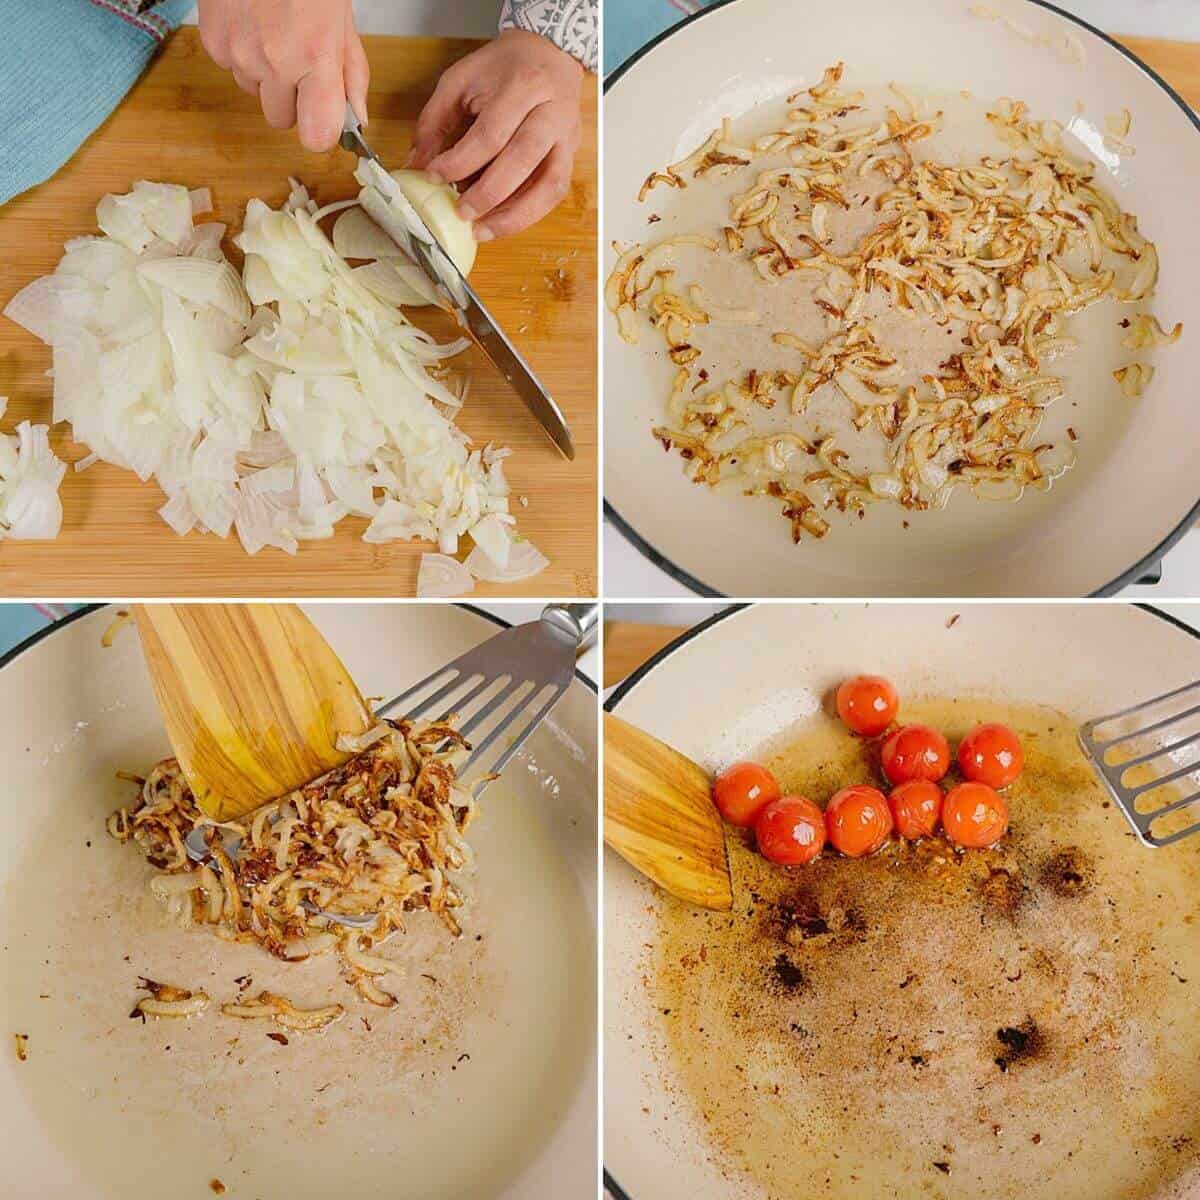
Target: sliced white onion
x=397 y=282
x=29 y=478
x=203 y=283
x=524 y=561
x=355 y=235
x=276 y=404
x=492 y=537
x=441 y=577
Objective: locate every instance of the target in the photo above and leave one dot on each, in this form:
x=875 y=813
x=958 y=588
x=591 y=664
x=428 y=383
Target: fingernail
x=467 y=212
x=412 y=157
x=483 y=233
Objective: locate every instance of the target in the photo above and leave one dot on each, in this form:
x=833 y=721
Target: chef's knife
x=458 y=297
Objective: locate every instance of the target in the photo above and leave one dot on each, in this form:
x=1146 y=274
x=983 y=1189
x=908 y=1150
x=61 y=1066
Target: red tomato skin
x=916 y=808
x=991 y=754
x=858 y=820
x=790 y=831
x=915 y=752
x=735 y=796
x=867 y=704
x=974 y=815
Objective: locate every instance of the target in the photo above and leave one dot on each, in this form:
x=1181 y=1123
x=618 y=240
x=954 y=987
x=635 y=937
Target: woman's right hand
x=303 y=59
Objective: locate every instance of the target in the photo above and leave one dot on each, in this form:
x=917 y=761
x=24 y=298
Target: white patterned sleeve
x=572 y=25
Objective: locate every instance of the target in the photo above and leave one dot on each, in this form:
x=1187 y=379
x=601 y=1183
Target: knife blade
x=459 y=298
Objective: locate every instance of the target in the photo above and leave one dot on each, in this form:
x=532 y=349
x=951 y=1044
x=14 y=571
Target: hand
x=519 y=97
x=302 y=58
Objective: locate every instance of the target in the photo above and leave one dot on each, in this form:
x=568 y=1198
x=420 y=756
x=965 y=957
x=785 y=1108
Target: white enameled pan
x=1133 y=491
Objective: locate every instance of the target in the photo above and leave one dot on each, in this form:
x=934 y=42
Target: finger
x=321 y=105
x=245 y=82
x=214 y=31
x=540 y=195
x=492 y=130
x=512 y=167
x=357 y=69
x=278 y=102
x=438 y=122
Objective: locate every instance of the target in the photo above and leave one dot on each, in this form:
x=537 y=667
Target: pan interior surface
x=1018 y=1022
x=492 y=1032
x=724 y=65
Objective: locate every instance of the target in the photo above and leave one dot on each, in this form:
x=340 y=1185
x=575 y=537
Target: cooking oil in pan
x=1017 y=1022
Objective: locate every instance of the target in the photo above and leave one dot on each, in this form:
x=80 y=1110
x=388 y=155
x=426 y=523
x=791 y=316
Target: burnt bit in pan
x=1068 y=873
x=1003 y=891
x=785 y=976
x=1019 y=1043
x=926 y=995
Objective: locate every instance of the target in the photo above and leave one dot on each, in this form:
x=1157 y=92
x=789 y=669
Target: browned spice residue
x=923 y=994
x=217 y=1187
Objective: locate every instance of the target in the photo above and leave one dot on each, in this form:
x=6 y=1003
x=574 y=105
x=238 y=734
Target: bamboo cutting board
x=186 y=122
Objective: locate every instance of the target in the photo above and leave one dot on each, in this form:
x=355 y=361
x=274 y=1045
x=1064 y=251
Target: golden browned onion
x=379 y=837
x=988 y=251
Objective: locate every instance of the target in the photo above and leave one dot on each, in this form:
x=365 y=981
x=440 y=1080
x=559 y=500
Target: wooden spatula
x=659 y=816
x=253 y=699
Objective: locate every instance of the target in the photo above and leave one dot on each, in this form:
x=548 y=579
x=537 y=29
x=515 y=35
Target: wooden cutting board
x=187 y=123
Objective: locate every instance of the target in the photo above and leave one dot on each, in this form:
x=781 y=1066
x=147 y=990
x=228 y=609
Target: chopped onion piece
x=441 y=577
x=29 y=478
x=524 y=561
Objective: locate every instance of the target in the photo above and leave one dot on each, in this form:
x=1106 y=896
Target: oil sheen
x=1016 y=1022
x=449 y=1094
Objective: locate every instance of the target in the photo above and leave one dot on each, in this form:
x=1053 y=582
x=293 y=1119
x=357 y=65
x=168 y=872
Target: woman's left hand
x=518 y=97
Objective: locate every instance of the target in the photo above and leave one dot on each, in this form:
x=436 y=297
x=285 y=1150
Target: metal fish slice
x=1148 y=757
x=505 y=687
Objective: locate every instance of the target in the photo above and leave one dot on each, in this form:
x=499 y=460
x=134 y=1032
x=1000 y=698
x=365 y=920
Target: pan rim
x=634 y=678
x=692 y=582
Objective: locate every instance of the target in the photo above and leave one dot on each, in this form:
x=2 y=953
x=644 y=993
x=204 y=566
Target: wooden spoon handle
x=659 y=816
x=253 y=699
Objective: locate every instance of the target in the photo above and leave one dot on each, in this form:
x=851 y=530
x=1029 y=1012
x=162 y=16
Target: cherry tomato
x=974 y=814
x=991 y=754
x=742 y=790
x=915 y=752
x=858 y=820
x=916 y=808
x=867 y=704
x=790 y=831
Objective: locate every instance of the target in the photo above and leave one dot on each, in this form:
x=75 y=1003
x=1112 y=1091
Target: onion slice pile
x=274 y=402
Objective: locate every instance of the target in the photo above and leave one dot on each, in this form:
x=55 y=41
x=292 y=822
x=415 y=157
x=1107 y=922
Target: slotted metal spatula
x=1148 y=757
x=506 y=686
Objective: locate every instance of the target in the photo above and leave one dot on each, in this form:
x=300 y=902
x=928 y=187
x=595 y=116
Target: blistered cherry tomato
x=858 y=820
x=867 y=704
x=790 y=831
x=991 y=754
x=915 y=752
x=974 y=815
x=916 y=808
x=741 y=792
